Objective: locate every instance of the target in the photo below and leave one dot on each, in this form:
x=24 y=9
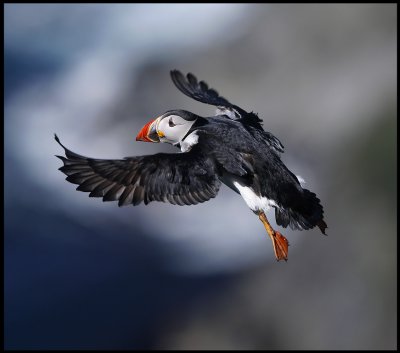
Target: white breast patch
x=189 y=142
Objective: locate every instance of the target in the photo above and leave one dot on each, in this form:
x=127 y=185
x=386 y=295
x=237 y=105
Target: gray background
x=80 y=273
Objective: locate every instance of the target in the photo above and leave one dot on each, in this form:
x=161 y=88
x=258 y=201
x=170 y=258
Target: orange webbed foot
x=281 y=246
x=279 y=242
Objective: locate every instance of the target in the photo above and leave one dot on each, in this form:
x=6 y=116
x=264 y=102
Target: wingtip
x=191 y=77
x=58 y=141
x=175 y=72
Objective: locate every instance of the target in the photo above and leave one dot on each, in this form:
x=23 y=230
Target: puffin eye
x=171 y=123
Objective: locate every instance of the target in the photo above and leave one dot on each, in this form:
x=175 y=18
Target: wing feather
x=202 y=93
x=182 y=178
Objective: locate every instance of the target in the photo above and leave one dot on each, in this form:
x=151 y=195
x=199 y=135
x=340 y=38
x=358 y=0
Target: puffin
x=230 y=147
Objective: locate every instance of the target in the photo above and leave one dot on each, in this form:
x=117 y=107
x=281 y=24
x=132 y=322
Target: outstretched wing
x=202 y=93
x=181 y=179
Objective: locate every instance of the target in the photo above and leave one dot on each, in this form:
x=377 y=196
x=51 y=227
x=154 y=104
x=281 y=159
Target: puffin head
x=171 y=127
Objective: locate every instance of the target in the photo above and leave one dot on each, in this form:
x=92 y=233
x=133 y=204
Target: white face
x=172 y=128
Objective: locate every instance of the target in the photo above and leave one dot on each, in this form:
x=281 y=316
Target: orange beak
x=148 y=133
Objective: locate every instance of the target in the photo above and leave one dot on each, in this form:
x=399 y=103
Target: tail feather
x=322 y=226
x=306 y=213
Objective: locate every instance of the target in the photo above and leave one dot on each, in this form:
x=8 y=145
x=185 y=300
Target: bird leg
x=279 y=242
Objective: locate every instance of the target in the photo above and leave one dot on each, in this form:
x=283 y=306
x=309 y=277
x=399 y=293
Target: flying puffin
x=230 y=147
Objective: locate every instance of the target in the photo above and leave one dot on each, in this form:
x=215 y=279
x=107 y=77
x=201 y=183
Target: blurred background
x=83 y=274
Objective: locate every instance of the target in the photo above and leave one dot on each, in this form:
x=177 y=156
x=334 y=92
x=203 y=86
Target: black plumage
x=180 y=179
x=231 y=147
x=254 y=159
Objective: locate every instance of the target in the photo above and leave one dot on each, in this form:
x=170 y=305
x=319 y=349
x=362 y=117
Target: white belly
x=256 y=203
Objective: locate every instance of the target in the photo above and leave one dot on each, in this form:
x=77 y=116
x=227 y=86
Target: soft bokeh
x=80 y=273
